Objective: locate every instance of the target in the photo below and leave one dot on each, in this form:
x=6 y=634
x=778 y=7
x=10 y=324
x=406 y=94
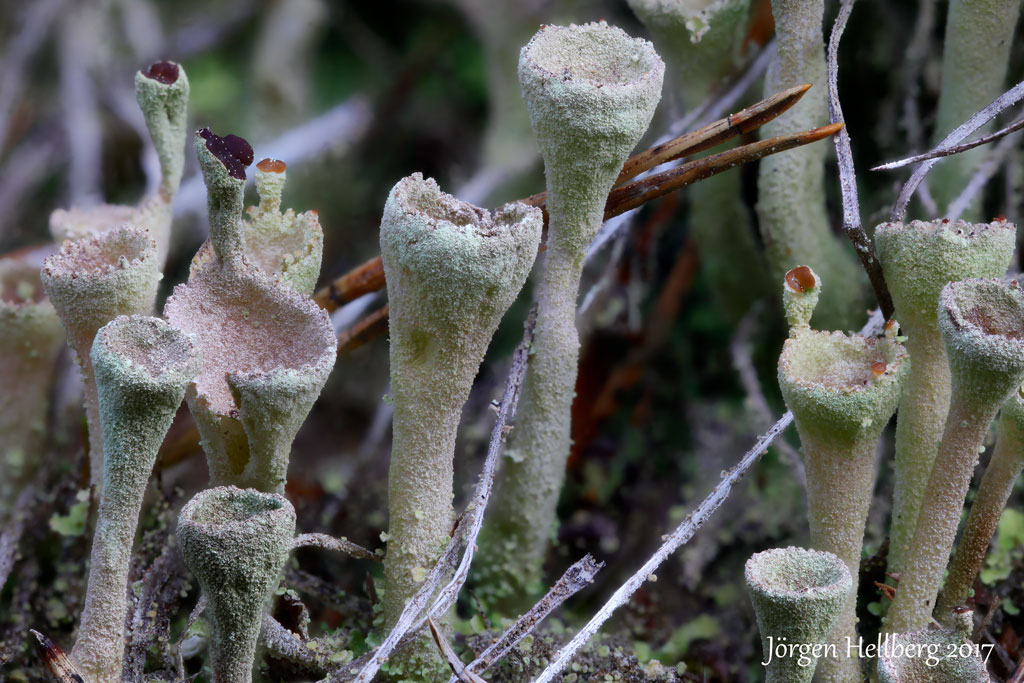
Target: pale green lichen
x=982 y=323
x=842 y=390
x=453 y=270
x=933 y=655
x=790 y=188
x=918 y=259
x=164 y=106
x=976 y=52
x=797 y=595
x=142 y=367
x=700 y=42
x=31 y=337
x=1003 y=469
x=286 y=246
x=267 y=350
x=90 y=282
x=800 y=294
x=236 y=542
x=591 y=91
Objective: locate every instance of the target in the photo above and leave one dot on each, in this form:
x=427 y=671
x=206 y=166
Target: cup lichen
x=982 y=323
x=934 y=655
x=591 y=91
x=797 y=595
x=452 y=271
x=142 y=367
x=236 y=542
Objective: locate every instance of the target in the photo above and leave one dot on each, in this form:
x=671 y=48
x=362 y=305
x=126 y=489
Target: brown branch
x=56 y=661
x=365 y=330
x=369 y=277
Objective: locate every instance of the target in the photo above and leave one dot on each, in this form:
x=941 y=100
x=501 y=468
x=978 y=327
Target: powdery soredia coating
x=90 y=282
x=918 y=260
x=982 y=323
x=236 y=542
x=790 y=188
x=267 y=350
x=142 y=367
x=933 y=655
x=797 y=596
x=842 y=391
x=286 y=246
x=1004 y=467
x=453 y=270
x=31 y=337
x=591 y=91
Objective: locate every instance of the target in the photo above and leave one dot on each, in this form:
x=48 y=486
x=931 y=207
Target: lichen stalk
x=452 y=271
x=142 y=367
x=267 y=349
x=1004 y=467
x=31 y=337
x=90 y=282
x=918 y=259
x=981 y=323
x=934 y=654
x=791 y=197
x=236 y=542
x=797 y=595
x=591 y=91
x=976 y=52
x=842 y=391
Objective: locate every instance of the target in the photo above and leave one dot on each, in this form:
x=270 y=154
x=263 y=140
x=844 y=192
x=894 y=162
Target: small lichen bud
x=800 y=293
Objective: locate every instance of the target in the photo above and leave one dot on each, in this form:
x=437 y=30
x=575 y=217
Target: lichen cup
x=842 y=390
x=933 y=655
x=797 y=596
x=90 y=282
x=982 y=323
x=236 y=542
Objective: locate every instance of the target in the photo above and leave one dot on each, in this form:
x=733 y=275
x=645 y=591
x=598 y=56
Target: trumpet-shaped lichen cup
x=453 y=270
x=919 y=259
x=591 y=91
x=797 y=595
x=236 y=542
x=162 y=92
x=982 y=323
x=934 y=655
x=842 y=390
x=142 y=367
x=90 y=282
x=267 y=349
x=31 y=337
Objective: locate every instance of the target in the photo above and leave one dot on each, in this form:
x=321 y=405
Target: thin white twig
x=683 y=533
x=949 y=151
x=988 y=168
x=415 y=614
x=1001 y=103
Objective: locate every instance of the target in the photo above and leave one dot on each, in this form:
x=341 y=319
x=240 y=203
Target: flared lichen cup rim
x=420 y=196
x=76 y=223
x=797 y=574
x=224 y=510
x=989 y=310
x=838 y=363
x=146 y=351
x=942 y=228
x=93 y=257
x=595 y=54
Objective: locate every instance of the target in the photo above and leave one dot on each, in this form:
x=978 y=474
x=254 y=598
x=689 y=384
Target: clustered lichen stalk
x=90 y=282
x=591 y=91
x=790 y=188
x=934 y=654
x=236 y=542
x=267 y=349
x=700 y=43
x=31 y=337
x=1004 y=467
x=918 y=259
x=452 y=271
x=842 y=391
x=797 y=595
x=981 y=322
x=976 y=52
x=142 y=367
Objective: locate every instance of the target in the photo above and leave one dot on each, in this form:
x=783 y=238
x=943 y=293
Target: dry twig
x=988 y=168
x=327 y=542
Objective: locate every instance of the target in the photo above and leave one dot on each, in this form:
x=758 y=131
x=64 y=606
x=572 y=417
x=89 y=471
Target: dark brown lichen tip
x=269 y=165
x=164 y=72
x=232 y=151
x=801 y=279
